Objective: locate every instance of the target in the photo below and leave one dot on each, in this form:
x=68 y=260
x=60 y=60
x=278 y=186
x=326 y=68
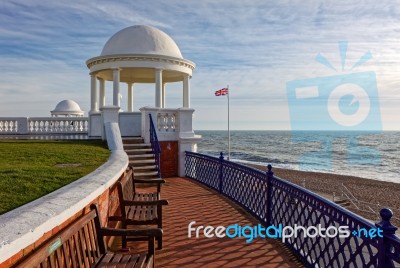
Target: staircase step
x=141 y=162
x=138 y=151
x=132 y=140
x=147 y=167
x=140 y=158
x=135 y=156
x=137 y=145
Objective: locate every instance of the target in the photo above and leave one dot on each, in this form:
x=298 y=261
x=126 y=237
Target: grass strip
x=31 y=169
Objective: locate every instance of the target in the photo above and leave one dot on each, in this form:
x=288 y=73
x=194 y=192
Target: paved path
x=190 y=201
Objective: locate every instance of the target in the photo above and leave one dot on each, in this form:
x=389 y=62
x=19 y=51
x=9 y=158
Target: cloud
x=255 y=47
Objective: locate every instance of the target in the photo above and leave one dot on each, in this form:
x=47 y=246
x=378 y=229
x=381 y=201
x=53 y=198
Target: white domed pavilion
x=67 y=108
x=143 y=54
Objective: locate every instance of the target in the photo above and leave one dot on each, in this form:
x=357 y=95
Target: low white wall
x=23 y=226
x=130 y=123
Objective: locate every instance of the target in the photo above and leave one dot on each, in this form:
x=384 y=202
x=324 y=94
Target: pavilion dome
x=141 y=39
x=67 y=108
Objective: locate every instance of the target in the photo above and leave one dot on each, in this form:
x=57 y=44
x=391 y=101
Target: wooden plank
x=126 y=259
x=117 y=259
x=44 y=263
x=93 y=241
x=105 y=260
x=78 y=250
x=141 y=262
x=83 y=245
x=66 y=254
x=72 y=249
x=59 y=258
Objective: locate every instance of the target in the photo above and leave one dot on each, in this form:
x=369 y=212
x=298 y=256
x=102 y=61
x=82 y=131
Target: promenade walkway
x=190 y=201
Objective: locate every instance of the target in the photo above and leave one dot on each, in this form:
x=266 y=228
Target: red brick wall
x=169 y=159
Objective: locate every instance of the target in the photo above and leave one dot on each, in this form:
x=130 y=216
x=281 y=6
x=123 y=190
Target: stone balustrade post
x=110 y=114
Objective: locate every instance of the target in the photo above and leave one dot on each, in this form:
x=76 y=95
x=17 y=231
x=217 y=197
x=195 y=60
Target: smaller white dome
x=67 y=108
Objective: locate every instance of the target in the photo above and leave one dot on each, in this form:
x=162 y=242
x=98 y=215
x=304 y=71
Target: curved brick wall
x=27 y=227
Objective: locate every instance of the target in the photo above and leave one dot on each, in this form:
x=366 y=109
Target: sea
x=371 y=155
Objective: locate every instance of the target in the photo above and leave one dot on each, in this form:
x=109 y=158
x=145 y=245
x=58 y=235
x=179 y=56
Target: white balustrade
x=43 y=125
x=8 y=126
x=166 y=121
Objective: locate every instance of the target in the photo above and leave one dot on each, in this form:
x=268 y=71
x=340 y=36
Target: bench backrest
x=76 y=246
x=126 y=187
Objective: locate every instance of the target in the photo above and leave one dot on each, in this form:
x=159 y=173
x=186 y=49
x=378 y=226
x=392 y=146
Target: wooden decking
x=190 y=201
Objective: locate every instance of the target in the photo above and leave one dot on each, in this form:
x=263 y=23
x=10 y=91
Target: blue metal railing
x=155 y=145
x=275 y=201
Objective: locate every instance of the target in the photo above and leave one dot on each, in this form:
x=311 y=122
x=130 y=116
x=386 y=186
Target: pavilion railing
x=155 y=145
x=277 y=202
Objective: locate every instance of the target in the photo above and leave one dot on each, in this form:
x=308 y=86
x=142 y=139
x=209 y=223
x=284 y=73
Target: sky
x=264 y=50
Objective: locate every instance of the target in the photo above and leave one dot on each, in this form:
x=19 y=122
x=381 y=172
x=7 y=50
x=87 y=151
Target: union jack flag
x=221 y=92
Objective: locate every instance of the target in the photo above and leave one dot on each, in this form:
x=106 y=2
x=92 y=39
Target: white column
x=159 y=83
x=163 y=96
x=94 y=108
x=102 y=93
x=130 y=97
x=116 y=93
x=186 y=92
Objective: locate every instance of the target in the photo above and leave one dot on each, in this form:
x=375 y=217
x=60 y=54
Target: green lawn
x=31 y=169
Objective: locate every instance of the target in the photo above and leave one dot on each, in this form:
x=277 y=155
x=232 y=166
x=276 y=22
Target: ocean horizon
x=365 y=154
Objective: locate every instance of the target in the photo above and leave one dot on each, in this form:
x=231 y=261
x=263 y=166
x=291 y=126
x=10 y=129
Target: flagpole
x=229 y=132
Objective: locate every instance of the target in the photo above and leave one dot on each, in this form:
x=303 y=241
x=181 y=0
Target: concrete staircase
x=140 y=158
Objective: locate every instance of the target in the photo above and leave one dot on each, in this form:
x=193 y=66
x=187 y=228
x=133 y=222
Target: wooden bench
x=138 y=208
x=82 y=245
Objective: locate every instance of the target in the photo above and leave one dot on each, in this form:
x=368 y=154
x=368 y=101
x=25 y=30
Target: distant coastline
x=365 y=154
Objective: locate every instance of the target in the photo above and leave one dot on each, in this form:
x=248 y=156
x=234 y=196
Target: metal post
x=388 y=229
x=229 y=131
x=270 y=176
x=220 y=177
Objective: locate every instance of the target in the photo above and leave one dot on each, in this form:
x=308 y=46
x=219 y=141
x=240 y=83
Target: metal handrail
x=155 y=145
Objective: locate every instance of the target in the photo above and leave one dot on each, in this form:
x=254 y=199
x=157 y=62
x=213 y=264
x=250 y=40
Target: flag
x=221 y=92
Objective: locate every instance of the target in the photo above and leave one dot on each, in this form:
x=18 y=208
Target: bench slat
x=125 y=260
x=93 y=242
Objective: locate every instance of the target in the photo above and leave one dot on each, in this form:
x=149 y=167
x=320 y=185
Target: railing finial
x=270 y=172
x=385 y=224
x=221 y=156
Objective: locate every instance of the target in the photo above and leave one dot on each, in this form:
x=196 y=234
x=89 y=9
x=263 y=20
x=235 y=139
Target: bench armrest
x=145 y=203
x=157 y=181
